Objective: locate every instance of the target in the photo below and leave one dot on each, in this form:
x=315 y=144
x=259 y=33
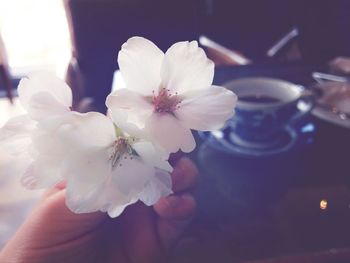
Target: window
x=36 y=35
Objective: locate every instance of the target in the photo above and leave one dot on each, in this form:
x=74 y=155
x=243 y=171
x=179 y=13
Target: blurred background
x=85 y=35
x=304 y=42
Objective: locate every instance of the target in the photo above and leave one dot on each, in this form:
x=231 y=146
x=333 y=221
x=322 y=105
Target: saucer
x=333 y=103
x=328 y=115
x=228 y=142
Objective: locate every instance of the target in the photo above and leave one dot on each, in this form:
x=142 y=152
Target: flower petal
x=13 y=166
x=87 y=130
x=186 y=67
x=93 y=169
x=139 y=62
x=127 y=99
x=48 y=144
x=152 y=155
x=168 y=132
x=126 y=184
x=44 y=172
x=43 y=105
x=104 y=197
x=44 y=82
x=116 y=209
x=131 y=175
x=54 y=122
x=120 y=119
x=87 y=169
x=15 y=135
x=85 y=201
x=159 y=186
x=207 y=109
x=131 y=102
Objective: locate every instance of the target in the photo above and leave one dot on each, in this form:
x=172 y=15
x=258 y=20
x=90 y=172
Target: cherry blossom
x=30 y=138
x=107 y=169
x=168 y=95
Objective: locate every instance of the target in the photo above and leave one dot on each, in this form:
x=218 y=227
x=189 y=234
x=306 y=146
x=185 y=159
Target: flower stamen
x=120 y=148
x=165 y=101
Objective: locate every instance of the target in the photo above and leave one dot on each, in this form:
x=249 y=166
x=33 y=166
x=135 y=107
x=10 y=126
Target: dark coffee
x=258 y=99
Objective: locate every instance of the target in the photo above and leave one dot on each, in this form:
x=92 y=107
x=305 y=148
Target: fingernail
x=61 y=185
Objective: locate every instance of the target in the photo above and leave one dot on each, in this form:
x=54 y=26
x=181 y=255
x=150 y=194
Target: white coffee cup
x=266 y=105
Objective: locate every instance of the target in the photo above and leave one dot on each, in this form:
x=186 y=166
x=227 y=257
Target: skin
x=52 y=233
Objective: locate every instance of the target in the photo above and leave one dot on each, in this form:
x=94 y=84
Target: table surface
x=256 y=208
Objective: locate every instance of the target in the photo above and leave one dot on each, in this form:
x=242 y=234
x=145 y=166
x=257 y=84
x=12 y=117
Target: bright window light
x=36 y=35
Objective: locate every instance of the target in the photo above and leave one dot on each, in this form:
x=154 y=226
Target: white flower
x=15 y=141
x=107 y=169
x=169 y=94
x=30 y=138
x=111 y=162
x=43 y=96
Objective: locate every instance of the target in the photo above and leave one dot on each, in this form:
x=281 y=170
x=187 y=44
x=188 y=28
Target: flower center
x=165 y=101
x=121 y=149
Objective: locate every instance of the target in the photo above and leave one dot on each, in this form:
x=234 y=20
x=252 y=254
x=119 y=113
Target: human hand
x=52 y=233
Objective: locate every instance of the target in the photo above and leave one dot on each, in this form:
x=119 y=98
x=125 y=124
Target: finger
x=176 y=207
x=175 y=213
x=185 y=175
x=170 y=231
x=55 y=210
x=57 y=188
x=51 y=224
x=139 y=231
x=175 y=157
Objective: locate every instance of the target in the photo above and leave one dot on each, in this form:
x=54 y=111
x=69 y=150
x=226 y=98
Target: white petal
x=130 y=102
x=186 y=67
x=87 y=130
x=15 y=135
x=44 y=172
x=44 y=82
x=86 y=173
x=54 y=122
x=85 y=201
x=116 y=210
x=98 y=196
x=159 y=186
x=127 y=99
x=13 y=166
x=137 y=181
x=47 y=154
x=43 y=105
x=48 y=144
x=93 y=188
x=126 y=184
x=139 y=62
x=207 y=109
x=120 y=119
x=169 y=133
x=115 y=200
x=103 y=197
x=87 y=168
x=152 y=155
x=131 y=175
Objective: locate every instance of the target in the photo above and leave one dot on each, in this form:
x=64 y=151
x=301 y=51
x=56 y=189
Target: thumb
x=52 y=224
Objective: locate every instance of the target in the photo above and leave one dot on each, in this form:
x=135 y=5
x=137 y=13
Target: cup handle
x=308 y=98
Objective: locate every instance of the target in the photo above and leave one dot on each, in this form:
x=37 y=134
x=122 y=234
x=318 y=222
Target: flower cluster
x=109 y=162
